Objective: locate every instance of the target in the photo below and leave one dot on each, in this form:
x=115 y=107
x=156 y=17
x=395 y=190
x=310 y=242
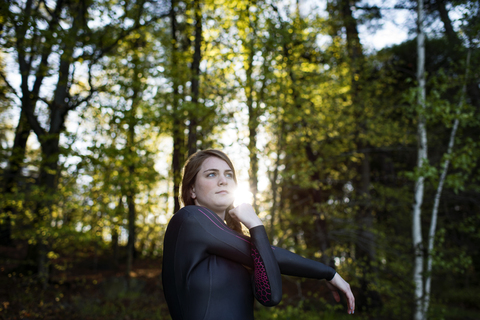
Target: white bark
x=419 y=185
x=433 y=222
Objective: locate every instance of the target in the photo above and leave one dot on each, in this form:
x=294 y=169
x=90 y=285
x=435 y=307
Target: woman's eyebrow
x=216 y=170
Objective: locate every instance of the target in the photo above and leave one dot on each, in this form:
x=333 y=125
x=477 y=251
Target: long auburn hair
x=190 y=170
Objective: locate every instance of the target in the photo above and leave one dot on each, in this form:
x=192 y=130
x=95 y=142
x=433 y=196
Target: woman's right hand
x=337 y=283
x=245 y=214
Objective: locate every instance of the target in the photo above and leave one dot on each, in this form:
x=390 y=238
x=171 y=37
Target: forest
x=363 y=157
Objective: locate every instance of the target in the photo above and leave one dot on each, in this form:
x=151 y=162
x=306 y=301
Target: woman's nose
x=222 y=180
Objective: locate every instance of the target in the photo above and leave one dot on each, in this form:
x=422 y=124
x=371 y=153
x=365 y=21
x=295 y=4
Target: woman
x=210 y=269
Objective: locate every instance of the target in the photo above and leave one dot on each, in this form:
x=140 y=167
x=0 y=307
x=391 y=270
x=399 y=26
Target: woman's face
x=214 y=186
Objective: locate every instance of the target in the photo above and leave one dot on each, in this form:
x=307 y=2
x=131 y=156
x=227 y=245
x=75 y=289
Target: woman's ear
x=192 y=193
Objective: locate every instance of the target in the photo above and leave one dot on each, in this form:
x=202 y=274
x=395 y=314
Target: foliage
x=333 y=135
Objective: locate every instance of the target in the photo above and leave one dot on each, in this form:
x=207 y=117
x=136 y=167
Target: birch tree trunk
x=419 y=184
x=433 y=223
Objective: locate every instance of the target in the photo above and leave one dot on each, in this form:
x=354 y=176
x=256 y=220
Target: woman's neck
x=221 y=215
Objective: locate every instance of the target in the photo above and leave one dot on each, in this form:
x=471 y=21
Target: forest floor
x=88 y=288
x=93 y=287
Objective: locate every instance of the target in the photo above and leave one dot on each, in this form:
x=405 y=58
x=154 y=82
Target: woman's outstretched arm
x=295 y=265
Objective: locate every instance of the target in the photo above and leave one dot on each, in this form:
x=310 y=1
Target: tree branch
x=3 y=76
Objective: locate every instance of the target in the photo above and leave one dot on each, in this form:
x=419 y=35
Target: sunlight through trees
x=102 y=102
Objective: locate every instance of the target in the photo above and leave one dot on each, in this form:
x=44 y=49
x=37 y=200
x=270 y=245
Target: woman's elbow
x=270 y=299
x=276 y=298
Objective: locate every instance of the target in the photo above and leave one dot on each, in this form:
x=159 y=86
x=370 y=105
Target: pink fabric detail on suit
x=263 y=291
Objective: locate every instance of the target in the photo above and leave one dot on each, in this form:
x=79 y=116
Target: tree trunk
x=249 y=44
x=131 y=188
x=447 y=22
x=131 y=234
x=48 y=182
x=115 y=236
x=274 y=179
x=131 y=155
x=131 y=192
x=365 y=252
x=252 y=128
x=178 y=125
x=50 y=143
x=115 y=247
x=49 y=139
x=419 y=185
x=12 y=175
x=28 y=101
x=195 y=68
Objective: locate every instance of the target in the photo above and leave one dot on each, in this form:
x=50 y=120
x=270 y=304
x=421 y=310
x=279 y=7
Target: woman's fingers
x=246 y=215
x=351 y=303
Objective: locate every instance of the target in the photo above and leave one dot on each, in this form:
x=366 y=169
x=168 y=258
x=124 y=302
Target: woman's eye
x=212 y=174
x=229 y=175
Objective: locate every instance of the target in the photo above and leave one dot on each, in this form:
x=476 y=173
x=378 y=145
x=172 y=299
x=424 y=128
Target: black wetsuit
x=204 y=274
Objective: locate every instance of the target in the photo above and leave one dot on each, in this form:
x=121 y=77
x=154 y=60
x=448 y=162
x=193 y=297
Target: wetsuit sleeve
x=267 y=279
x=255 y=252
x=294 y=265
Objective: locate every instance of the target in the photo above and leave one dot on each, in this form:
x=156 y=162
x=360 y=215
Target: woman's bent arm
x=206 y=229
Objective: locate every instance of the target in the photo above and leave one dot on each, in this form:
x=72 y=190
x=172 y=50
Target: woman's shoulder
x=186 y=213
x=183 y=213
x=195 y=214
x=183 y=218
x=191 y=218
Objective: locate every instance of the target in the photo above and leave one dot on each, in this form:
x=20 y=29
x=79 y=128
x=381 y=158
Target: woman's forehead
x=215 y=163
